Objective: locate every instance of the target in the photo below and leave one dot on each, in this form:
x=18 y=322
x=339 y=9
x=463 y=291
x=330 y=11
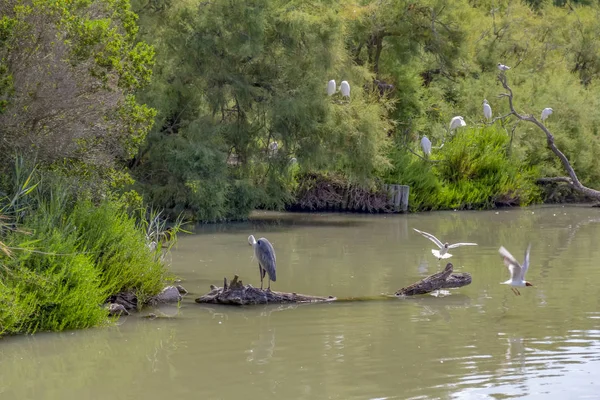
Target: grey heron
x=457 y=122
x=265 y=254
x=331 y=87
x=546 y=113
x=444 y=247
x=503 y=67
x=487 y=110
x=345 y=88
x=517 y=271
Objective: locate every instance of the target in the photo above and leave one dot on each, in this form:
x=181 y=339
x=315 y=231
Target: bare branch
x=563 y=179
x=575 y=183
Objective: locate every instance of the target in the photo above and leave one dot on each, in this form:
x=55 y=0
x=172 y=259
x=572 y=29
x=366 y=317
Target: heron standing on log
x=265 y=254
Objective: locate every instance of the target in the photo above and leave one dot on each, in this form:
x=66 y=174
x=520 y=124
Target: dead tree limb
x=235 y=293
x=442 y=280
x=574 y=181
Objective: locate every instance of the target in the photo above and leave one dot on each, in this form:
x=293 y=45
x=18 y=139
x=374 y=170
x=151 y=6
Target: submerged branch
x=235 y=293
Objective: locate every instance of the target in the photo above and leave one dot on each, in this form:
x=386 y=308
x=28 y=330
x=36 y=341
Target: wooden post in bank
x=398 y=197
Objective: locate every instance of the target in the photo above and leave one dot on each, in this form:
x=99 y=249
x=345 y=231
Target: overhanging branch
x=574 y=180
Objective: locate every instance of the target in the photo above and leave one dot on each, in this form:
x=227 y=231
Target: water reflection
x=477 y=342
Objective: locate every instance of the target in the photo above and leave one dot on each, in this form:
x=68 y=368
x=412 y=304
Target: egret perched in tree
x=273 y=146
x=487 y=110
x=265 y=254
x=331 y=87
x=546 y=113
x=457 y=122
x=426 y=146
x=503 y=67
x=345 y=88
x=293 y=161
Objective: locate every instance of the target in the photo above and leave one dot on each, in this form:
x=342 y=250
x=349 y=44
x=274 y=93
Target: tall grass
x=473 y=170
x=67 y=254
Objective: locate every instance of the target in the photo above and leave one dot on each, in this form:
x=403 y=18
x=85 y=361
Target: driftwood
x=442 y=280
x=236 y=293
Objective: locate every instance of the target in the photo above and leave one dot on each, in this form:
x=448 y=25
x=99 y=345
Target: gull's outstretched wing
x=525 y=266
x=431 y=237
x=455 y=245
x=511 y=263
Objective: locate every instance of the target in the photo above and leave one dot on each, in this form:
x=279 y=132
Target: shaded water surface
x=476 y=342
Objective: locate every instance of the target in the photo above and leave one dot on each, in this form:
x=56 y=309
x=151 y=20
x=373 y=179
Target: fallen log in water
x=235 y=293
x=442 y=280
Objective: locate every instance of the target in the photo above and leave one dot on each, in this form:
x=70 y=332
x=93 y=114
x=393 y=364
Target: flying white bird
x=457 y=122
x=426 y=145
x=345 y=88
x=331 y=87
x=503 y=67
x=546 y=113
x=444 y=247
x=517 y=271
x=487 y=110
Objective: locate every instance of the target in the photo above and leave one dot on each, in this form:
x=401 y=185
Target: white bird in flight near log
x=503 y=67
x=444 y=247
x=426 y=145
x=331 y=87
x=457 y=122
x=345 y=88
x=487 y=110
x=546 y=113
x=517 y=271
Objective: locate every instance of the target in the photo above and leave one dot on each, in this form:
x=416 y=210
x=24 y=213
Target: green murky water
x=476 y=342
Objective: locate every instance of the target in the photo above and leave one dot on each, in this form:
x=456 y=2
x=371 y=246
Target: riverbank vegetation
x=208 y=110
x=230 y=79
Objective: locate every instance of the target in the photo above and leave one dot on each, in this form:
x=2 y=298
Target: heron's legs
x=262 y=275
x=269 y=287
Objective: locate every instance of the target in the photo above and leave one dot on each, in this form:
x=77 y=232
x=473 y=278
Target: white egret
x=345 y=88
x=517 y=271
x=293 y=161
x=273 y=146
x=457 y=122
x=487 y=110
x=546 y=113
x=503 y=67
x=331 y=87
x=426 y=145
x=444 y=247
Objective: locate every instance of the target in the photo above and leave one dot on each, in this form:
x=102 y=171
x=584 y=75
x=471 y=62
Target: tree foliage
x=68 y=72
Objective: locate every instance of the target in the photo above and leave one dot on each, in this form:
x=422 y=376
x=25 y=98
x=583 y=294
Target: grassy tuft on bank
x=66 y=254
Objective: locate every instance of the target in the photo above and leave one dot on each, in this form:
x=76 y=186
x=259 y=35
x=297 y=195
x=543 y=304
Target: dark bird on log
x=265 y=254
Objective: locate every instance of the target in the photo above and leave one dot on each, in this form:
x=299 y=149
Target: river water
x=477 y=342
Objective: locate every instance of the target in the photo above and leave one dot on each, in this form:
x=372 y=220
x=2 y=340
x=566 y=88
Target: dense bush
x=63 y=256
x=473 y=170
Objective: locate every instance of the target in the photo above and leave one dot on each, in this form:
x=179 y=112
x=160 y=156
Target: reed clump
x=62 y=255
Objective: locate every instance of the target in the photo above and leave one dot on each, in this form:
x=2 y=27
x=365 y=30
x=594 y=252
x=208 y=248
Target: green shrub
x=473 y=170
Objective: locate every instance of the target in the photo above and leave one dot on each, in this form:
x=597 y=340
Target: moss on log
x=441 y=280
x=236 y=293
